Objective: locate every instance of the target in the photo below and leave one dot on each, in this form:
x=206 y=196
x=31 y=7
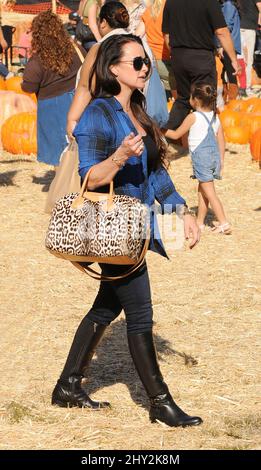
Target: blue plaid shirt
x=100 y=131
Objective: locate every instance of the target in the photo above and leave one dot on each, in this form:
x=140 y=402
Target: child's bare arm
x=181 y=130
x=221 y=144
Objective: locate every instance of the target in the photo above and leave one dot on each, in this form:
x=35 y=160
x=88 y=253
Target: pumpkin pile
x=241 y=121
x=17 y=118
x=19 y=133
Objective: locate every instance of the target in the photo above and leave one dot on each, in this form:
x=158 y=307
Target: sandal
x=225 y=229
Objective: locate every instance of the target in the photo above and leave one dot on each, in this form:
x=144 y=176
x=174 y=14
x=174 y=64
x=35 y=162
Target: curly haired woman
x=51 y=74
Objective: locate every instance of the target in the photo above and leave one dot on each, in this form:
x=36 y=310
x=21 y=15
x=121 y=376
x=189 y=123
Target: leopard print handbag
x=99 y=227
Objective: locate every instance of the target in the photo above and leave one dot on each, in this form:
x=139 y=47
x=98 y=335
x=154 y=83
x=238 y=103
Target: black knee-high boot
x=68 y=391
x=163 y=407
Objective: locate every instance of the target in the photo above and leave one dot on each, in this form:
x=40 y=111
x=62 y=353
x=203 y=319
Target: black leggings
x=228 y=69
x=131 y=294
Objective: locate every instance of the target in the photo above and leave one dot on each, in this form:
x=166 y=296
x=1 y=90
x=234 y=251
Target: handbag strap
x=78 y=51
x=100 y=277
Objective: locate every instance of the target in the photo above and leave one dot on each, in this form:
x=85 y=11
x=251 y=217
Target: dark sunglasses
x=138 y=62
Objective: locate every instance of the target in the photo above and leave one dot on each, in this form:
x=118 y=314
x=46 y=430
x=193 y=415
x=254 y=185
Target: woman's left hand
x=191 y=230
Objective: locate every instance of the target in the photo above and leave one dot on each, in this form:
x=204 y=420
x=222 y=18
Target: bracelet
x=118 y=162
x=185 y=211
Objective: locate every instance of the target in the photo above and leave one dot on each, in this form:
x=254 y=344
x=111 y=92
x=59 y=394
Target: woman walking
x=119 y=141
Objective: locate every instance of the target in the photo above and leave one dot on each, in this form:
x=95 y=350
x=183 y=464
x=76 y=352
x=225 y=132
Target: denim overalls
x=206 y=156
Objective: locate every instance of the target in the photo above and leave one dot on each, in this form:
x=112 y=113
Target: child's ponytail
x=212 y=94
x=206 y=94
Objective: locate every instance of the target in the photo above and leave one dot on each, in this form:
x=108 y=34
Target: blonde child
x=207 y=148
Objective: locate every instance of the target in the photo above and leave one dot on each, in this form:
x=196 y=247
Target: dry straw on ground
x=206 y=306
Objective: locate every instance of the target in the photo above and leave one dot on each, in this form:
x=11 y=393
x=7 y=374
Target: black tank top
x=152 y=152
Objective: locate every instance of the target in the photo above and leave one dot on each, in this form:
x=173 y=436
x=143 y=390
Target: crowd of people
x=127 y=45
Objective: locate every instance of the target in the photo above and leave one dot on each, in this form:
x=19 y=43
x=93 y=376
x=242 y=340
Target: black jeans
x=189 y=66
x=132 y=294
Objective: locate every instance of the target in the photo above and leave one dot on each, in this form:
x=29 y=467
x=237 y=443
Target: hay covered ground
x=206 y=307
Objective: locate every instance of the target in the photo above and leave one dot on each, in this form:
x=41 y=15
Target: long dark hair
x=104 y=84
x=206 y=94
x=116 y=15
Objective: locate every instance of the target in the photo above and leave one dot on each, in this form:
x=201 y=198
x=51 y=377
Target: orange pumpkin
x=13 y=103
x=19 y=134
x=257 y=107
x=2 y=84
x=244 y=119
x=237 y=105
x=249 y=106
x=255 y=145
x=253 y=105
x=237 y=134
x=255 y=123
x=14 y=84
x=229 y=118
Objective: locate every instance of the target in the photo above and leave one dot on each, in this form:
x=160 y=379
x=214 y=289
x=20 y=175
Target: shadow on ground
x=210 y=218
x=44 y=180
x=6 y=179
x=113 y=363
x=17 y=160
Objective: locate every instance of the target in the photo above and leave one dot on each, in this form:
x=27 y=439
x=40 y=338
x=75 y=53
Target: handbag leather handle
x=85 y=186
x=85 y=194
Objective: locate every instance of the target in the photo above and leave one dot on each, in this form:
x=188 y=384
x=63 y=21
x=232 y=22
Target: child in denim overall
x=207 y=148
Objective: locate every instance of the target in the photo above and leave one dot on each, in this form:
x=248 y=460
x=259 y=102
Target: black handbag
x=84 y=33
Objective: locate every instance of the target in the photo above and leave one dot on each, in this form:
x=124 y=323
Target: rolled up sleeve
x=94 y=137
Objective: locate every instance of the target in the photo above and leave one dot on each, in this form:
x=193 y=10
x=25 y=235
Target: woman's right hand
x=131 y=146
x=70 y=128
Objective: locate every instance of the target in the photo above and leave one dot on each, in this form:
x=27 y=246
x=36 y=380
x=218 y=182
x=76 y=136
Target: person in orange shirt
x=151 y=26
